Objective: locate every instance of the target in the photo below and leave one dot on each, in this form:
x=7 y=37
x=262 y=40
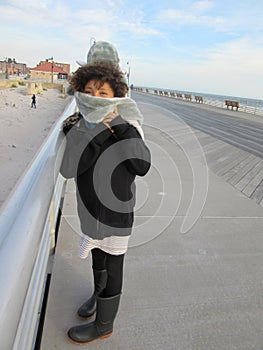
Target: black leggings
x=114 y=266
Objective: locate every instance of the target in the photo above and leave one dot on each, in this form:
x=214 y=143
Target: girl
x=104 y=153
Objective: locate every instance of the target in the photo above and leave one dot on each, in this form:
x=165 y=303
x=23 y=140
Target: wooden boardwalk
x=241 y=169
x=205 y=284
x=220 y=136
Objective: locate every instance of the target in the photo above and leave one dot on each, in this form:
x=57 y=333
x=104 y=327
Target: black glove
x=70 y=122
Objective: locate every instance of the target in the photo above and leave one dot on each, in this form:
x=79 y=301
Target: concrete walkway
x=193 y=274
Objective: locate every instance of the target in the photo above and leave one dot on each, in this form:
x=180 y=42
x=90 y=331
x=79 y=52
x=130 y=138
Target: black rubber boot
x=102 y=327
x=89 y=307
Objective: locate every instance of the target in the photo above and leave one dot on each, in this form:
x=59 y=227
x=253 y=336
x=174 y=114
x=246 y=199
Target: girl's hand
x=110 y=117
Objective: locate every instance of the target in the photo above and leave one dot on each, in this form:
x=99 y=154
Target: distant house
x=10 y=67
x=48 y=71
x=64 y=66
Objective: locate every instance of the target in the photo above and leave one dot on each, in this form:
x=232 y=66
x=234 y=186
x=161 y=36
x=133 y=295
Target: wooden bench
x=188 y=97
x=232 y=104
x=199 y=99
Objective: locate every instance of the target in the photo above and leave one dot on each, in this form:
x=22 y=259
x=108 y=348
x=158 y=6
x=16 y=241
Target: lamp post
x=128 y=72
x=13 y=66
x=6 y=68
x=92 y=43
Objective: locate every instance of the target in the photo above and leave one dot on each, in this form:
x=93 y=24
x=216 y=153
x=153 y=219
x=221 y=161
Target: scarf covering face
x=95 y=109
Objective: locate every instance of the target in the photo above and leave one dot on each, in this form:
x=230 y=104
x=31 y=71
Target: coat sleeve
x=137 y=154
x=82 y=149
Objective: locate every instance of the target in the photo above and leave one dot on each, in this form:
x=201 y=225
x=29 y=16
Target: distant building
x=64 y=66
x=50 y=71
x=11 y=67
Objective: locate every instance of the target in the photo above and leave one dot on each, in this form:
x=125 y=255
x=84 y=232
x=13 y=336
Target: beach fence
x=28 y=221
x=250 y=106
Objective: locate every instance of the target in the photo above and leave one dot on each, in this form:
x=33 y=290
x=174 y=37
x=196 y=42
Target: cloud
x=103 y=16
x=241 y=55
x=219 y=43
x=92 y=19
x=30 y=13
x=54 y=28
x=202 y=6
x=181 y=18
x=141 y=30
x=230 y=68
x=191 y=17
x=229 y=17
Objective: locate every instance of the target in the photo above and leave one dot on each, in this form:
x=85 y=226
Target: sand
x=23 y=130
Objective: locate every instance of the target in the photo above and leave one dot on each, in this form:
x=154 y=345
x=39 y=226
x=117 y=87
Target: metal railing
x=27 y=228
x=246 y=105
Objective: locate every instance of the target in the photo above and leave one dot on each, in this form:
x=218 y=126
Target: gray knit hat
x=102 y=51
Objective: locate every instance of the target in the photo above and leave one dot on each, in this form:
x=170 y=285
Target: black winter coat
x=104 y=166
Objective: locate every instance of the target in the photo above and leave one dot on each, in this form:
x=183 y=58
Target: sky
x=210 y=46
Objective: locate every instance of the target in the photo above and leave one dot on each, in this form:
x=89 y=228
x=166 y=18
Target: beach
x=23 y=130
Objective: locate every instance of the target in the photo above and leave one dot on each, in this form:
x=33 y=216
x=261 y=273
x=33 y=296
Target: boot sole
x=90 y=341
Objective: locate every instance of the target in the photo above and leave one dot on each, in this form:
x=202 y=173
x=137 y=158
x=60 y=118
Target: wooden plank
x=225 y=160
x=249 y=176
x=258 y=193
x=234 y=159
x=255 y=181
x=237 y=170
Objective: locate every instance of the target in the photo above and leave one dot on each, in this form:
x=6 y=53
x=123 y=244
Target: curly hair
x=102 y=72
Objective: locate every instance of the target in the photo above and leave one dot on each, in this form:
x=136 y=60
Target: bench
x=188 y=97
x=199 y=99
x=232 y=104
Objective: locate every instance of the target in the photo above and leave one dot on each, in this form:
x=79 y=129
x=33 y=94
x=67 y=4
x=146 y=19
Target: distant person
x=33 y=103
x=104 y=153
